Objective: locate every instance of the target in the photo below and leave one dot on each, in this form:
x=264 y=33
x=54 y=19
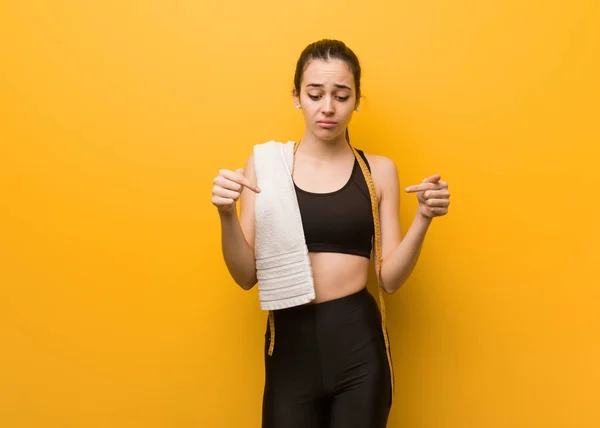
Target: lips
x=326 y=124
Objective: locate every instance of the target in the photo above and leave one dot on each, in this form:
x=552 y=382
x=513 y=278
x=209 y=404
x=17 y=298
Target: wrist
x=228 y=215
x=422 y=218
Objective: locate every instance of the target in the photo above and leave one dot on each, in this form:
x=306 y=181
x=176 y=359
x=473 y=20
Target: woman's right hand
x=227 y=188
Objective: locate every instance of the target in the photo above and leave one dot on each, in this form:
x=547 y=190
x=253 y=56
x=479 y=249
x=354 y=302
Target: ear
x=296 y=97
x=357 y=103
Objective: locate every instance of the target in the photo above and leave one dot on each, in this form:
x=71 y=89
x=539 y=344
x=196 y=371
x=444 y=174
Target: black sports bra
x=340 y=221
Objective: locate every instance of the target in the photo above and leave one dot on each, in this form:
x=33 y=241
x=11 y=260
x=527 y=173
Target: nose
x=328 y=108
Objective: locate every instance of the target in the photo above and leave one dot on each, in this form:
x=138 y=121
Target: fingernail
x=257 y=189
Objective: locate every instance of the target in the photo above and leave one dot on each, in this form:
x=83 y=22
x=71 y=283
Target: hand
x=228 y=187
x=433 y=196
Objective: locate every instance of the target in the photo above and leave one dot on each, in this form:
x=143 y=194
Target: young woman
x=331 y=364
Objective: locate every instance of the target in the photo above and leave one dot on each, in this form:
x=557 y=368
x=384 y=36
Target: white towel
x=283 y=270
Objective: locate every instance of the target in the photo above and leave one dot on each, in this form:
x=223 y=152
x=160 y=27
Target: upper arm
x=247 y=199
x=385 y=176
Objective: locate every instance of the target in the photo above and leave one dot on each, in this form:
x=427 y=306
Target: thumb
x=433 y=179
x=240 y=170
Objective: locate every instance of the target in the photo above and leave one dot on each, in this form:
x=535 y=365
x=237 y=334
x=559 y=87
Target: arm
x=237 y=234
x=397 y=266
x=399 y=256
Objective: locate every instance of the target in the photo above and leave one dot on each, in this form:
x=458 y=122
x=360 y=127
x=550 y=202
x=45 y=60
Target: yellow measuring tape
x=378 y=257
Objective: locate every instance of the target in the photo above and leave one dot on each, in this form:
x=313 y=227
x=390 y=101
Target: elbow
x=387 y=283
x=390 y=282
x=390 y=286
x=243 y=277
x=389 y=290
x=246 y=284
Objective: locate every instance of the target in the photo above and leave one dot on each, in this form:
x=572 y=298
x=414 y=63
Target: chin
x=325 y=135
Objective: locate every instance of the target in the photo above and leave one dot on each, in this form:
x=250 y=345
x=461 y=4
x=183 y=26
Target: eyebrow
x=320 y=85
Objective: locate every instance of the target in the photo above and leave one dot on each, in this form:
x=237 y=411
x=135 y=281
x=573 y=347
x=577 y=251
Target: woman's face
x=328 y=98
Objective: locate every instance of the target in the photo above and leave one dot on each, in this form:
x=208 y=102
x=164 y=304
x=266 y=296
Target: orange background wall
x=116 y=309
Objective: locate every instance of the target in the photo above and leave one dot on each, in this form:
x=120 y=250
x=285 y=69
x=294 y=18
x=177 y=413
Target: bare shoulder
x=249 y=170
x=384 y=171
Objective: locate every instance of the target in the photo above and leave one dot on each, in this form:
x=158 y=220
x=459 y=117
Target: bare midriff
x=338 y=275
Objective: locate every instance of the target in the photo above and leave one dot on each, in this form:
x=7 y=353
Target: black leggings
x=329 y=367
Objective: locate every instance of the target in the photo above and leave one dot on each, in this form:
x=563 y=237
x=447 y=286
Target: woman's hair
x=326 y=50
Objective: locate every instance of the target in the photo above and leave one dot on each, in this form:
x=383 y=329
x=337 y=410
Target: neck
x=330 y=149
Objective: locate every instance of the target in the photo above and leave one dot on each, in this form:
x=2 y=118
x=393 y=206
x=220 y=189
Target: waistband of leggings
x=329 y=304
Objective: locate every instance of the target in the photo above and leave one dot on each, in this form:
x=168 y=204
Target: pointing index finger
x=239 y=177
x=246 y=183
x=421 y=187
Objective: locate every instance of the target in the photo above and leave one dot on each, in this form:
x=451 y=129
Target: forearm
x=397 y=266
x=238 y=254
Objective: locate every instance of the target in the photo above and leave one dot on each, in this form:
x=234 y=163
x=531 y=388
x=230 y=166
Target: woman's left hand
x=433 y=196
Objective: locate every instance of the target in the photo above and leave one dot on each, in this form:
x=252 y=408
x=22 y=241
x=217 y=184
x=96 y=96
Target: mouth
x=327 y=124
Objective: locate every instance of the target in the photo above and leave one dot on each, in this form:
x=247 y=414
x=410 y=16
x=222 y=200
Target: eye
x=314 y=97
x=343 y=98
